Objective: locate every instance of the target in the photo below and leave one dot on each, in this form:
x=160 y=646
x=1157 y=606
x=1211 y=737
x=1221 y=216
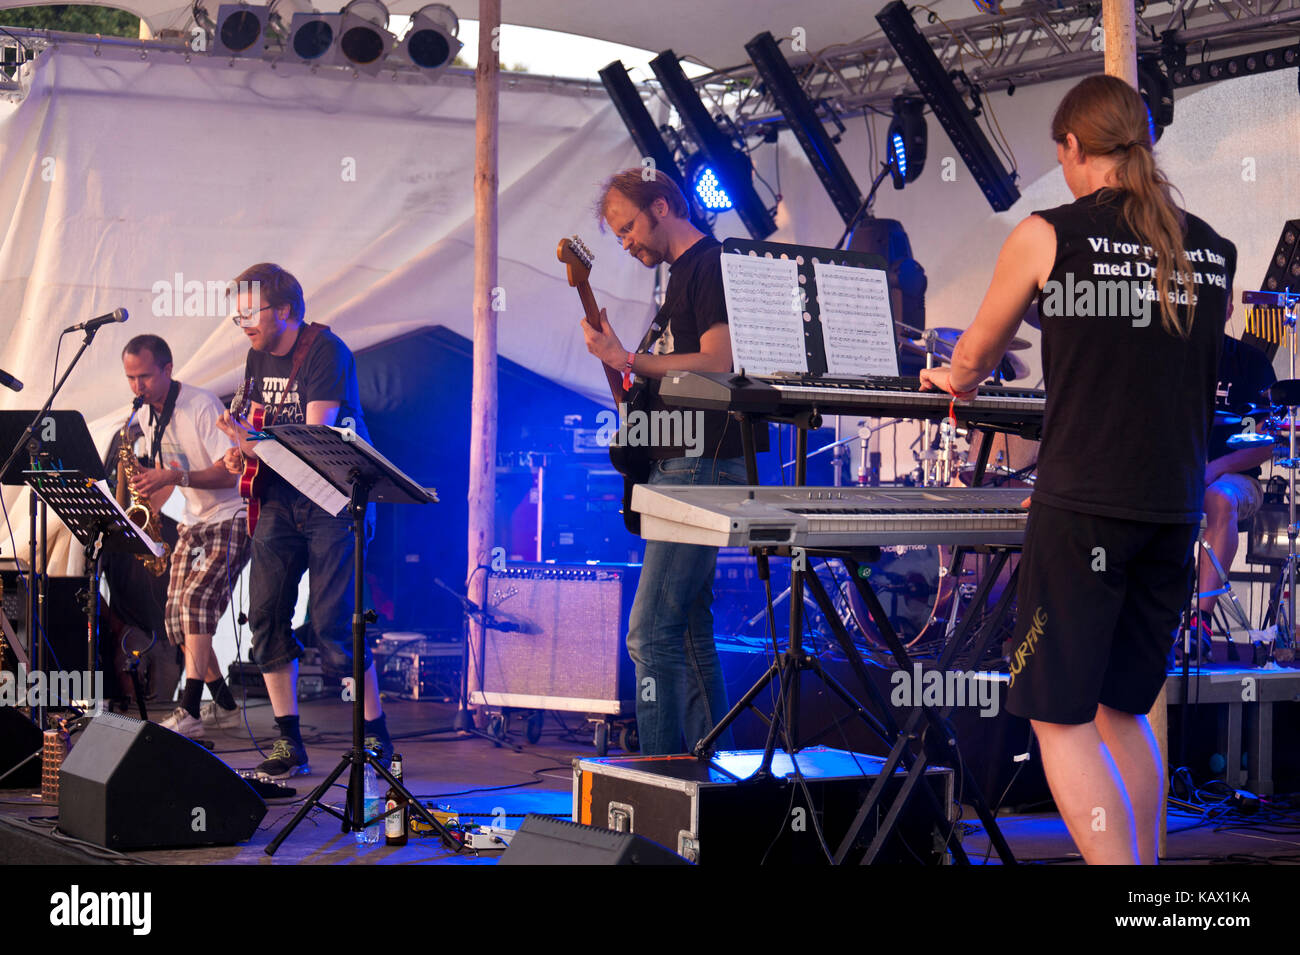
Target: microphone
x=9 y=381
x=117 y=315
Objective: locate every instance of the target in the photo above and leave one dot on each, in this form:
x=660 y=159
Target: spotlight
x=313 y=36
x=645 y=134
x=706 y=185
x=807 y=128
x=1158 y=93
x=431 y=42
x=939 y=91
x=240 y=31
x=729 y=164
x=907 y=138
x=364 y=39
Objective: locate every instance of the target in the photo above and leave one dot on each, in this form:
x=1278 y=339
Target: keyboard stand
x=785 y=671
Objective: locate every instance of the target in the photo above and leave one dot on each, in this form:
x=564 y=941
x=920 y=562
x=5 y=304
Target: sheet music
x=764 y=314
x=301 y=476
x=857 y=326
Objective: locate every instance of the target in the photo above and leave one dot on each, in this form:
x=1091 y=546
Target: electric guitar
x=634 y=463
x=251 y=481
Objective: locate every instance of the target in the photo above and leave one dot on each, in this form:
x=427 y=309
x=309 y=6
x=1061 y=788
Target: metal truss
x=1035 y=43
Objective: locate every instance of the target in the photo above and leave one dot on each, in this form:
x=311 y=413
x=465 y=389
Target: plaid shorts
x=206 y=562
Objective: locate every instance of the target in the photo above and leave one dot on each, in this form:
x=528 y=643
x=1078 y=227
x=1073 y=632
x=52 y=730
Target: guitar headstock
x=577 y=258
x=243 y=398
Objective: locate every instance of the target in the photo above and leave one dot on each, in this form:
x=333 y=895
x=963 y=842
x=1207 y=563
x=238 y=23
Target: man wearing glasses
x=301 y=374
x=183 y=448
x=681 y=693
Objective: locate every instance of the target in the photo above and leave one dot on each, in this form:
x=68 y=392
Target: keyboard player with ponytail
x=1107 y=563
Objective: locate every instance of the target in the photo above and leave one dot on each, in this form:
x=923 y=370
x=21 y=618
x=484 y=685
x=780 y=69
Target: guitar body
x=635 y=464
x=250 y=482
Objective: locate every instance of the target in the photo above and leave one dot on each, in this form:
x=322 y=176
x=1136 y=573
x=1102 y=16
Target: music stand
x=98 y=523
x=50 y=438
x=354 y=468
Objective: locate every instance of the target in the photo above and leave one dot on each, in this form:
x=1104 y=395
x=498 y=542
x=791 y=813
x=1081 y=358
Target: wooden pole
x=483 y=407
x=1119 y=20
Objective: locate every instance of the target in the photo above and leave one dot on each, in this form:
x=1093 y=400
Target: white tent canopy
x=715 y=31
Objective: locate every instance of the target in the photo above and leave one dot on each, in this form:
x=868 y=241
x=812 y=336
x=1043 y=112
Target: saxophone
x=139 y=509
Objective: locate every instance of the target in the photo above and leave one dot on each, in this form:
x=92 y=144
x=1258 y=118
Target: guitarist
x=184 y=449
x=302 y=374
x=681 y=693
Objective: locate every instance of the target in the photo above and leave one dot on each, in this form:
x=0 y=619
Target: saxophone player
x=183 y=448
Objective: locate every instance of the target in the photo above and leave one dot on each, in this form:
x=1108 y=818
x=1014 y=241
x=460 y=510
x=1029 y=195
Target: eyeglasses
x=244 y=317
x=622 y=233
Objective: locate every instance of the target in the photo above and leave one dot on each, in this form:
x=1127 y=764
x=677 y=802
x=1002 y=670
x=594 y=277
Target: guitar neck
x=592 y=311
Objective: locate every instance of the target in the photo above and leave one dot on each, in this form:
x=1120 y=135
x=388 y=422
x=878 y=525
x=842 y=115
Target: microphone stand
x=35 y=581
x=464 y=721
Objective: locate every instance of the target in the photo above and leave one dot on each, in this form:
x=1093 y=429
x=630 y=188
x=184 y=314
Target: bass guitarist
x=681 y=693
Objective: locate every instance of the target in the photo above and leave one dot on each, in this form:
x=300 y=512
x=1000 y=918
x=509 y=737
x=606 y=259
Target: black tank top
x=1129 y=405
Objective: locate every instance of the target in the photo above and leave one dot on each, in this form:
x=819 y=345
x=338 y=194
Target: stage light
x=364 y=39
x=707 y=187
x=937 y=87
x=431 y=42
x=729 y=164
x=1258 y=61
x=907 y=139
x=1158 y=93
x=645 y=134
x=808 y=131
x=313 y=36
x=240 y=30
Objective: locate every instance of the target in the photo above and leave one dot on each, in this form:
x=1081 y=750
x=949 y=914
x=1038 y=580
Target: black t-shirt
x=693 y=303
x=329 y=373
x=1244 y=373
x=1129 y=405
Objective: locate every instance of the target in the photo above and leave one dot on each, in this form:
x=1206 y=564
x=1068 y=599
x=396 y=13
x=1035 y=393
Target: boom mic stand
x=36 y=579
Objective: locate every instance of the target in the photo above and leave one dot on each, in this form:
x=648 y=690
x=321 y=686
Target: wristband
x=627 y=372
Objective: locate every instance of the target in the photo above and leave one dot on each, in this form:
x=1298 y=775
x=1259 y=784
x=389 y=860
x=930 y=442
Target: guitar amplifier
x=568 y=653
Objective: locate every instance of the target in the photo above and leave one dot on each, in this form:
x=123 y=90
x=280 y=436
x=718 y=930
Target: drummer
x=1232 y=488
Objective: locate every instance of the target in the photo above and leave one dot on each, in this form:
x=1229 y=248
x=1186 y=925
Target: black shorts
x=1099 y=602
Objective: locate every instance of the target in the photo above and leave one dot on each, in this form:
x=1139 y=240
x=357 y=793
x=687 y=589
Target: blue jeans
x=294 y=535
x=680 y=691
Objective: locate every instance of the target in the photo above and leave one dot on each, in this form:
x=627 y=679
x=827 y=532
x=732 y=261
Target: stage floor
x=483 y=782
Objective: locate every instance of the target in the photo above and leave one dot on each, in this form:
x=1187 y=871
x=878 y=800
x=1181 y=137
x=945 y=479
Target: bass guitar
x=634 y=463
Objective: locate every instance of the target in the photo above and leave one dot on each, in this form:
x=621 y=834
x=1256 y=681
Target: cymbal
x=949 y=336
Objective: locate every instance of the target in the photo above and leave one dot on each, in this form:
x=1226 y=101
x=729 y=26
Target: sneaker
x=213 y=715
x=285 y=760
x=183 y=723
x=385 y=753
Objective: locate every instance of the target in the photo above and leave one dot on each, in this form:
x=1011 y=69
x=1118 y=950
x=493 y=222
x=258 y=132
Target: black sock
x=192 y=696
x=288 y=727
x=221 y=693
x=379 y=729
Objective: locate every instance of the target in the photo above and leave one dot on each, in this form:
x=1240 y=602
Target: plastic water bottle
x=373 y=805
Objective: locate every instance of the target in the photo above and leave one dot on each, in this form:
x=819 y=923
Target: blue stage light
x=708 y=189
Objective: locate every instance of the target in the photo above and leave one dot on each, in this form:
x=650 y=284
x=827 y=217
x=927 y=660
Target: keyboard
x=1001 y=408
x=830 y=517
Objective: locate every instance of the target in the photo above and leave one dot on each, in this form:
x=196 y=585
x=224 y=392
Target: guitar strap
x=306 y=337
x=160 y=423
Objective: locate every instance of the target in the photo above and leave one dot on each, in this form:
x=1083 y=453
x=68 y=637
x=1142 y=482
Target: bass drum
x=905 y=579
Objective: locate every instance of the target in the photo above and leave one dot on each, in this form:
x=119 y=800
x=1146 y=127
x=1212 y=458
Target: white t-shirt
x=193 y=442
